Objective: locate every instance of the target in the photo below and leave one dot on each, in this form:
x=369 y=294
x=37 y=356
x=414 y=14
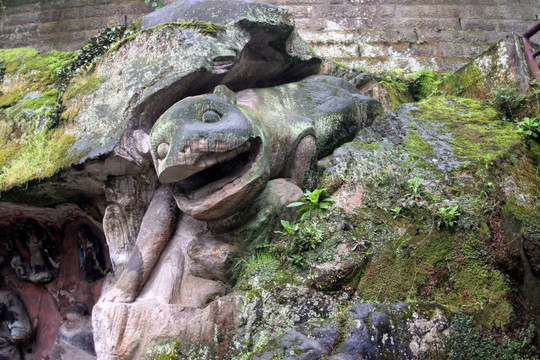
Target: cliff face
x=378 y=34
x=201 y=185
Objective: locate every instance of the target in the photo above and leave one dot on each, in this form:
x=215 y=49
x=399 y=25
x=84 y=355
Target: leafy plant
x=509 y=100
x=398 y=210
x=425 y=83
x=296 y=260
x=486 y=189
x=366 y=245
x=447 y=215
x=312 y=201
x=415 y=184
x=529 y=127
x=307 y=237
x=290 y=227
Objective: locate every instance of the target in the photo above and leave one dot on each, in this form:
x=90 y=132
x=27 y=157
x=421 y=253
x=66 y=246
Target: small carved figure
x=40 y=267
x=75 y=338
x=21 y=268
x=15 y=328
x=90 y=255
x=40 y=273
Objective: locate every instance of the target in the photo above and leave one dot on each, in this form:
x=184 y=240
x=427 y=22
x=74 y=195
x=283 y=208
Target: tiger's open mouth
x=224 y=184
x=222 y=170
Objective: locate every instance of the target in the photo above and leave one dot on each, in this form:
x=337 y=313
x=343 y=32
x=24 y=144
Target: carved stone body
x=215 y=154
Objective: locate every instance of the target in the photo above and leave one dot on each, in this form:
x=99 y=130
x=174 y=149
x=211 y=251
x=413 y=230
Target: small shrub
x=397 y=211
x=447 y=216
x=425 y=83
x=529 y=127
x=415 y=184
x=508 y=100
x=262 y=270
x=290 y=227
x=312 y=201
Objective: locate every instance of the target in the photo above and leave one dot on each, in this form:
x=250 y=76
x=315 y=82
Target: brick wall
x=442 y=34
x=63 y=24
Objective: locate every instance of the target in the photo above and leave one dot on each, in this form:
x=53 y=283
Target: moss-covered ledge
x=32 y=144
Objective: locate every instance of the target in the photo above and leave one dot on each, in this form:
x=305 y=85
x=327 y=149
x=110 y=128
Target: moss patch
x=203 y=27
x=425 y=82
x=82 y=85
x=469 y=130
x=460 y=151
x=35 y=66
x=398 y=92
x=37 y=158
x=31 y=144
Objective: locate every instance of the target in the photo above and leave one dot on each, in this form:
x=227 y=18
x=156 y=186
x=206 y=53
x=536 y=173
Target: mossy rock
x=502 y=64
x=31 y=145
x=462 y=153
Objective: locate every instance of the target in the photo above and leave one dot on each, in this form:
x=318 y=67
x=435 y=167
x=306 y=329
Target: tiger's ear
x=226 y=94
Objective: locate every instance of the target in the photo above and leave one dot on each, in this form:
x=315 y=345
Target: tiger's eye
x=210 y=116
x=162 y=150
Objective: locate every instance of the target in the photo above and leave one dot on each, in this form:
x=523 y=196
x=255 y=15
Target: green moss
x=365 y=145
x=424 y=83
x=203 y=27
x=136 y=24
x=45 y=99
x=480 y=77
x=466 y=341
x=409 y=269
x=82 y=85
x=30 y=70
x=472 y=128
x=262 y=271
x=36 y=158
x=165 y=351
x=37 y=66
x=471 y=82
x=30 y=148
x=418 y=144
x=398 y=92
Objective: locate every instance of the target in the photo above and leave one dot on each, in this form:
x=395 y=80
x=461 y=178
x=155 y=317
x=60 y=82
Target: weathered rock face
x=207 y=44
x=172 y=247
x=365 y=331
x=190 y=183
x=502 y=64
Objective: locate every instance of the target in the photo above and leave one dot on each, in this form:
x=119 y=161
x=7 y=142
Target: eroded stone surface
x=366 y=331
